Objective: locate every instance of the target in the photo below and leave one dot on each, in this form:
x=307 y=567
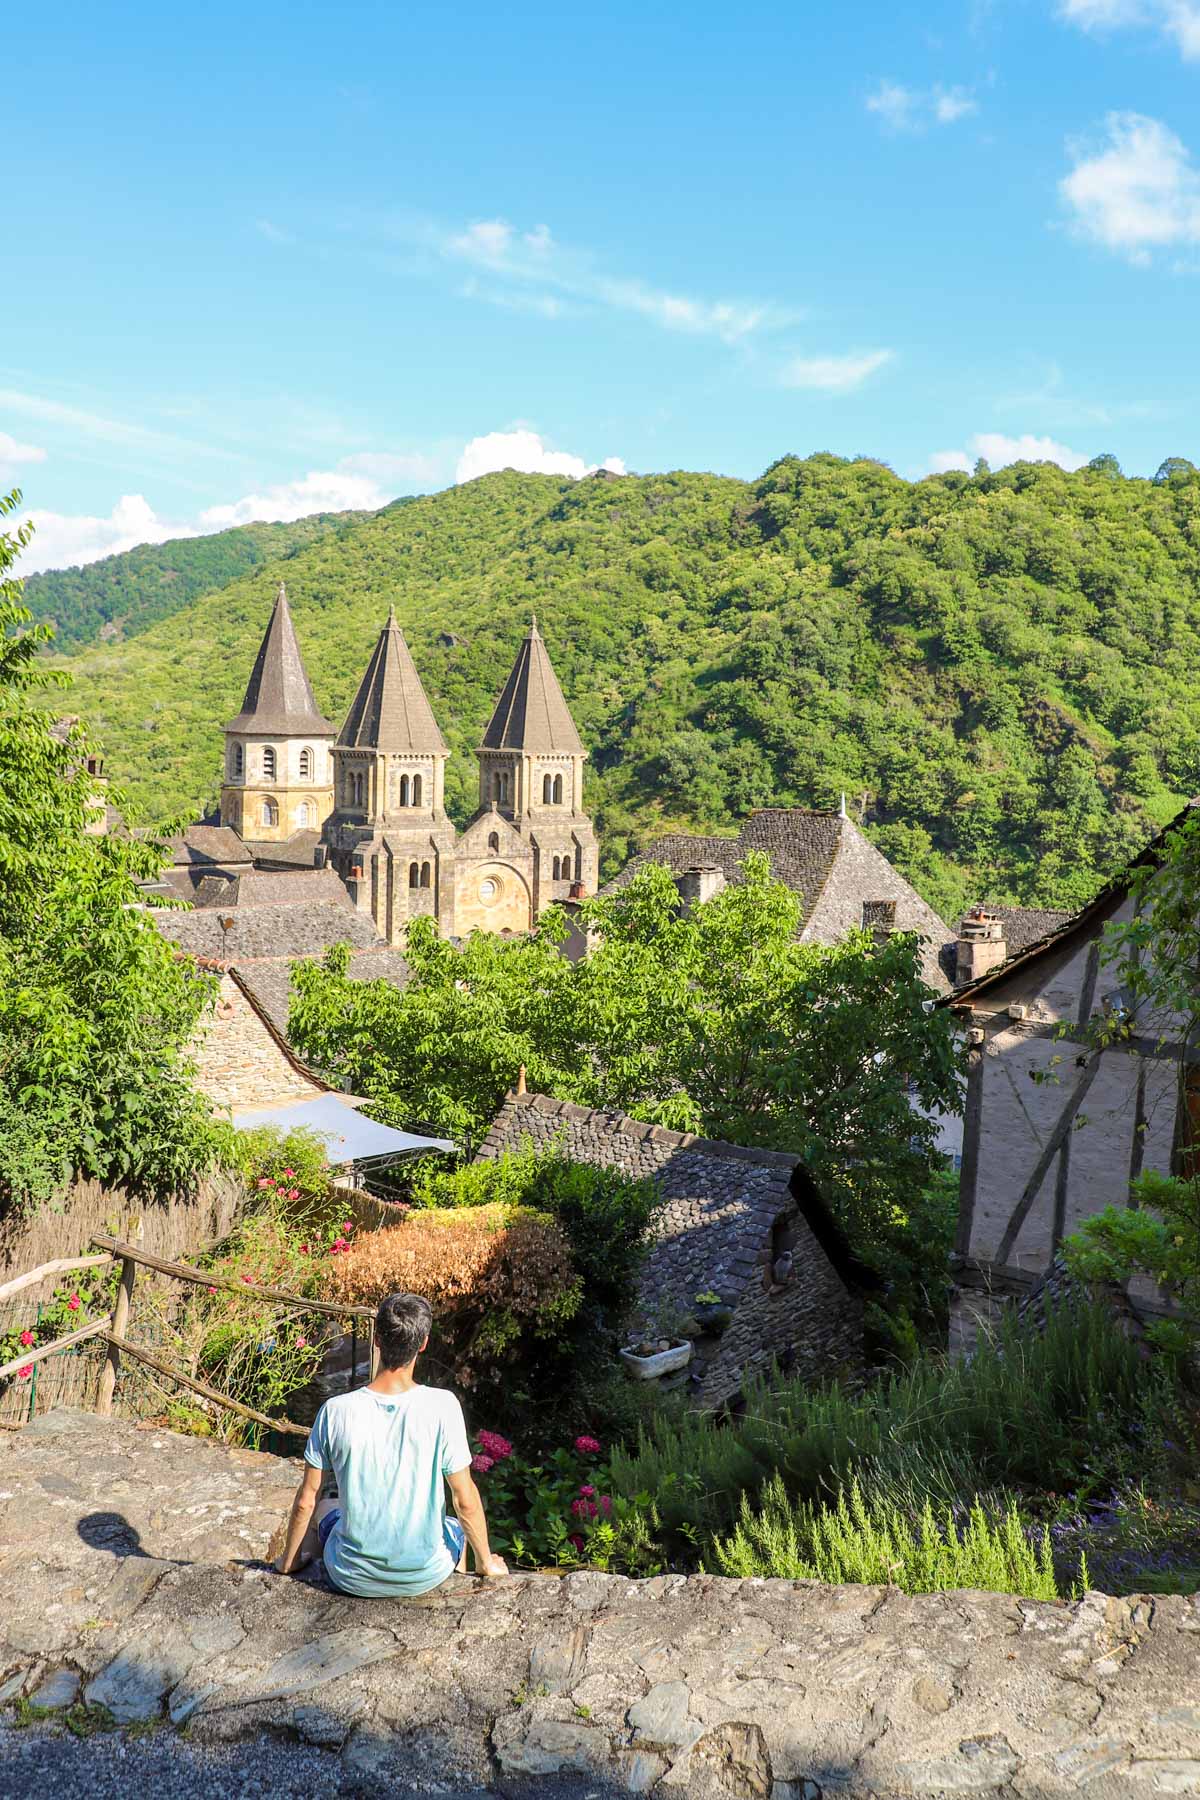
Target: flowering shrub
x=85 y=1295
x=557 y=1511
x=497 y=1277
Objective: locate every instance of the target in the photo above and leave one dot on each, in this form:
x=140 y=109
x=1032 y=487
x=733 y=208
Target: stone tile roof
x=279 y=699
x=715 y=1231
x=285 y=853
x=531 y=714
x=269 y=980
x=1026 y=925
x=233 y=934
x=209 y=844
x=391 y=711
x=823 y=857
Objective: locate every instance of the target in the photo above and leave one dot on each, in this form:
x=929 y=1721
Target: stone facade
x=241 y=1060
x=1055 y=1129
x=729 y=1215
x=131 y=1574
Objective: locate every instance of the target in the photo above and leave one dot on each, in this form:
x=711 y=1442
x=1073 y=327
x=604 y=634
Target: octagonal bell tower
x=278 y=776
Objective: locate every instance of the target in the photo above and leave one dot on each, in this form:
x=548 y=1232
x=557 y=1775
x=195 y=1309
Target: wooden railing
x=114 y=1327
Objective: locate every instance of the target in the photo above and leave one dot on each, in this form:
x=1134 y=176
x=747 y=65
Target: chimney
x=576 y=891
x=981 y=945
x=879 y=918
x=700 y=884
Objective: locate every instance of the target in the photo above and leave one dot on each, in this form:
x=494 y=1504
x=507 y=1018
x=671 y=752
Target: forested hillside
x=1002 y=671
x=121 y=595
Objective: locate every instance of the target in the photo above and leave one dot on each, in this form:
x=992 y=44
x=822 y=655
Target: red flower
x=288 y=1174
x=293 y=1193
x=606 y=1504
x=26 y=1339
x=583 y=1509
x=587 y=1446
x=249 y=1280
x=302 y=1343
x=265 y=1181
x=588 y=1492
x=26 y=1372
x=73 y=1303
x=481 y=1463
x=304 y=1249
x=576 y=1540
x=495 y=1446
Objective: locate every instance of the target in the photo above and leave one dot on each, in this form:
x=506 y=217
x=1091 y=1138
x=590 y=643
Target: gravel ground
x=43 y=1761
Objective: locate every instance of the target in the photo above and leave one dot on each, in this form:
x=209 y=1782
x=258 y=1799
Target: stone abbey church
x=370 y=800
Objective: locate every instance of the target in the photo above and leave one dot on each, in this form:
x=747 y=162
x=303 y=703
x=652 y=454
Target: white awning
x=349 y=1138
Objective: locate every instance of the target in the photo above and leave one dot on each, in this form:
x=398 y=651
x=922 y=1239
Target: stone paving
x=130 y=1577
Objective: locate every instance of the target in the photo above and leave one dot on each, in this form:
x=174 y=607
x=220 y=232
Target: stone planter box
x=663 y=1362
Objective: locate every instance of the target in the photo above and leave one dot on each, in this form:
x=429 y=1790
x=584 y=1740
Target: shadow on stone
x=112 y=1533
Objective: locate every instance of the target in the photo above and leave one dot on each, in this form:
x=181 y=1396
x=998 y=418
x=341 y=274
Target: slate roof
x=270 y=979
x=279 y=699
x=801 y=843
x=391 y=710
x=233 y=934
x=209 y=844
x=531 y=714
x=285 y=853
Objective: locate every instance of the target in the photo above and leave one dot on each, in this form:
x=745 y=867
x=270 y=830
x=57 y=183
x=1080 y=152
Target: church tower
x=389 y=836
x=531 y=797
x=278 y=775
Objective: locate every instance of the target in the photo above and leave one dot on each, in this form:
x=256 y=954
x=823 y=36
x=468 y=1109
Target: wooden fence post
x=120 y=1320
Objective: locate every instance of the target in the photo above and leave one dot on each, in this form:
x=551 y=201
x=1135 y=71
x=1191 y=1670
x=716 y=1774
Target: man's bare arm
x=303 y=1507
x=473 y=1520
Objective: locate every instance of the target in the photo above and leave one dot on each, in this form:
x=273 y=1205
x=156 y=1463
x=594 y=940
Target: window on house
x=414 y=875
x=554 y=871
x=424 y=874
x=504 y=789
x=270 y=813
x=547 y=789
x=269 y=763
x=558 y=790
x=416 y=790
x=306 y=764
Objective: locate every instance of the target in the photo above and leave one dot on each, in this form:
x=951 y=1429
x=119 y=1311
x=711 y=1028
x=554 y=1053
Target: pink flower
x=587 y=1446
x=26 y=1372
x=495 y=1446
x=293 y=1193
x=606 y=1504
x=73 y=1303
x=26 y=1339
x=583 y=1509
x=302 y=1343
x=288 y=1174
x=338 y=1246
x=588 y=1492
x=348 y=1226
x=481 y=1463
x=264 y=1181
x=249 y=1280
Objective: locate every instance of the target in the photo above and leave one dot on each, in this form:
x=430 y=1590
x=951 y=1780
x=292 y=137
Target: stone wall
x=240 y=1061
x=131 y=1575
x=861 y=874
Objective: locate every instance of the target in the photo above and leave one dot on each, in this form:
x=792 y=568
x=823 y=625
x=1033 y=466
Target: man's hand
x=496 y=1567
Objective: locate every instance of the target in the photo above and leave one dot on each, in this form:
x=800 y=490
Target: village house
x=1055 y=1128
x=748 y=1225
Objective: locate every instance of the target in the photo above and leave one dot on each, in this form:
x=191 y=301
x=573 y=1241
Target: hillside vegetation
x=121 y=595
x=1002 y=671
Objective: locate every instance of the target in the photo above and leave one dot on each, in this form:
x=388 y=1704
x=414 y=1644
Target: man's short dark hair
x=402 y=1324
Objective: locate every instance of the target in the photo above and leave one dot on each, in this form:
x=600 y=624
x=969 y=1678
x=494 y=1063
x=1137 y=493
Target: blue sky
x=262 y=259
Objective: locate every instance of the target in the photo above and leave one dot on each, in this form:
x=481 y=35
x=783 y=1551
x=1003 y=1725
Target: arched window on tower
x=414 y=875
x=424 y=874
x=547 y=790
x=270 y=813
x=404 y=790
x=557 y=866
x=359 y=789
x=494 y=842
x=304 y=816
x=269 y=763
x=558 y=790
x=306 y=764
x=504 y=788
x=416 y=790
x=239 y=762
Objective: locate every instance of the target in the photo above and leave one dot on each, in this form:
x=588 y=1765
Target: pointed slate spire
x=531 y=714
x=390 y=710
x=279 y=699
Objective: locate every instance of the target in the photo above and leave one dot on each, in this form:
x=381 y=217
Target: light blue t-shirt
x=390 y=1454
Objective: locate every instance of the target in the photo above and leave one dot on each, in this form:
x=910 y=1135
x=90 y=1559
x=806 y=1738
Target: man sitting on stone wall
x=391 y=1448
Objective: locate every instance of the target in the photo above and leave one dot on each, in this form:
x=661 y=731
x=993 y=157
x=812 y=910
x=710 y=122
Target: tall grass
x=1033 y=1408
x=856 y=1540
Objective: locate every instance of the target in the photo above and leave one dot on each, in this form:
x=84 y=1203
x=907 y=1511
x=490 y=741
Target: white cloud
x=530 y=271
x=833 y=374
x=1177 y=20
x=912 y=109
x=523 y=450
x=63 y=540
x=14 y=456
x=1138 y=192
x=274 y=234
x=998 y=450
x=330 y=490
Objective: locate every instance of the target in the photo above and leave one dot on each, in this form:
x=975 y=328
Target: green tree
x=95 y=1008
x=712 y=1018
